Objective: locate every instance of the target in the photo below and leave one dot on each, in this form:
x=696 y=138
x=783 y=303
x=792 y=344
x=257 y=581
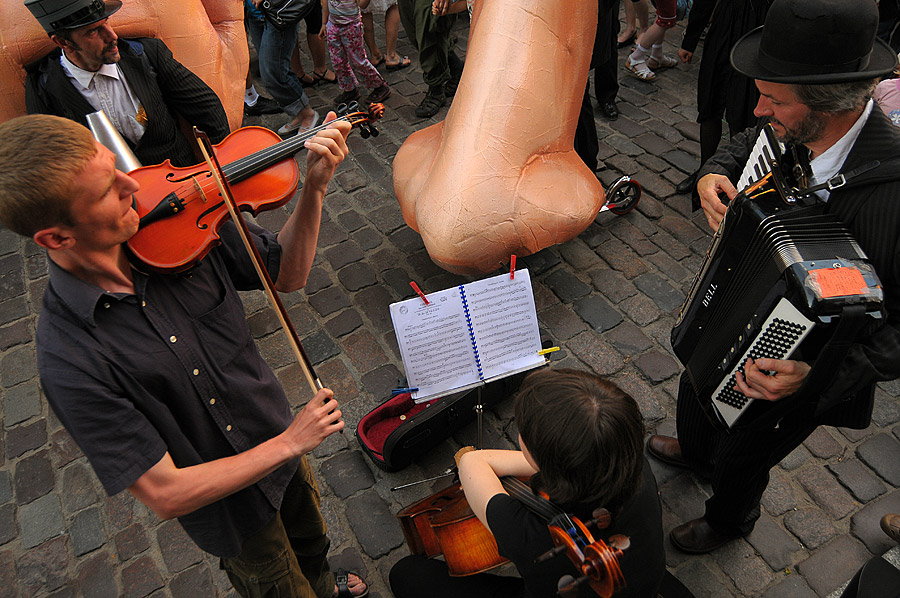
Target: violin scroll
x=365 y=120
x=597 y=560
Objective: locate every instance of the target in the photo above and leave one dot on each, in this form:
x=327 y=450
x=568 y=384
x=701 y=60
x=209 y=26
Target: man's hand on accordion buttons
x=771 y=379
x=708 y=188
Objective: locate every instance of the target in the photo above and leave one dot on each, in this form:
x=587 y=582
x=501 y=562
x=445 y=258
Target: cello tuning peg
x=619 y=541
x=353 y=106
x=364 y=132
x=600 y=518
x=567 y=587
x=374 y=130
x=552 y=553
x=341 y=109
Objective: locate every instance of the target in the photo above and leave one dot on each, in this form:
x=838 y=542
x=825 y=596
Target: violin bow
x=215 y=169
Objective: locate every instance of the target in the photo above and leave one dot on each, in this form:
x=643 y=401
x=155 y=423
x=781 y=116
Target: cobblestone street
x=607 y=298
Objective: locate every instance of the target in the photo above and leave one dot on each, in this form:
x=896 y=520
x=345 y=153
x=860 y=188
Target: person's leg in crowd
x=280 y=80
x=417 y=577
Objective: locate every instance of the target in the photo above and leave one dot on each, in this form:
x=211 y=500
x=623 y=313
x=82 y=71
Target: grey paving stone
x=330 y=300
x=774 y=544
x=347 y=473
x=578 y=255
x=657 y=366
x=660 y=291
x=796 y=458
x=749 y=573
x=599 y=356
x=811 y=525
x=822 y=444
x=192 y=583
x=599 y=315
x=830 y=567
x=25 y=437
x=374 y=525
x=367 y=238
x=342 y=254
x=540 y=262
x=78 y=488
x=865 y=523
x=702 y=581
x=363 y=350
x=8 y=528
x=33 y=477
x=882 y=454
x=86 y=531
x=778 y=498
x=562 y=322
x=640 y=309
x=612 y=284
x=344 y=323
x=632 y=236
x=357 y=276
x=178 y=550
x=43 y=568
x=826 y=491
x=790 y=586
x=131 y=541
x=18 y=365
x=566 y=285
x=40 y=520
x=20 y=403
x=857 y=478
x=628 y=339
x=140 y=578
x=622 y=258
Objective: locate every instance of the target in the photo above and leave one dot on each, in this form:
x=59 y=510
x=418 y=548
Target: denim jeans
x=274 y=47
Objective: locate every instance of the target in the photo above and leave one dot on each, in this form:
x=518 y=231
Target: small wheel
x=623 y=196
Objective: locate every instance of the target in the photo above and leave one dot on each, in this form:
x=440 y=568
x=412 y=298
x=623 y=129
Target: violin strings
x=234 y=171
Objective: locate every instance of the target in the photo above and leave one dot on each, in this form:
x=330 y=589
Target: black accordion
x=777 y=268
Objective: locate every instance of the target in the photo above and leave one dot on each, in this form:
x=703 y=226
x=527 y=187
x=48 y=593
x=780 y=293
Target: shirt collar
x=828 y=163
x=84 y=77
x=82 y=297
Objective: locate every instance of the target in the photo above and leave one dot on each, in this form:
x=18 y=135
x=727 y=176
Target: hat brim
x=111 y=6
x=744 y=59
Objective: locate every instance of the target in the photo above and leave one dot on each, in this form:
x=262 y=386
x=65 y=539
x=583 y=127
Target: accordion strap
x=833 y=353
x=841 y=179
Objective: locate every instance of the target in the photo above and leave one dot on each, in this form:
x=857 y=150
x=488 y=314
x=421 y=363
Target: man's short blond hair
x=40 y=157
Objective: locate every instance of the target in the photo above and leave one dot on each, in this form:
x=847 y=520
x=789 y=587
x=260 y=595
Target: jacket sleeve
x=701 y=11
x=185 y=93
x=731 y=157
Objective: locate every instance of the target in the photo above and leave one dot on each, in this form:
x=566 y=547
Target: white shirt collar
x=84 y=77
x=829 y=163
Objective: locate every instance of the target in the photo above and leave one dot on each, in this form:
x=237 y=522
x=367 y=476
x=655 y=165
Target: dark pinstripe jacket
x=869 y=205
x=164 y=86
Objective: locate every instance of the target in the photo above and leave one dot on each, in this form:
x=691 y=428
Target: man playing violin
x=581 y=444
x=138 y=84
x=156 y=375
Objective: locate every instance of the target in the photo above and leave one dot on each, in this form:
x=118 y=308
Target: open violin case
x=399 y=430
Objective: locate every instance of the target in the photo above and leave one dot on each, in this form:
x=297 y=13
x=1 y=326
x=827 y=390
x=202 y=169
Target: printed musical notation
x=468 y=335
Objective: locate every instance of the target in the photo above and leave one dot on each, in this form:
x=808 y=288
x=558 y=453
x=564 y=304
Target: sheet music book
x=468 y=335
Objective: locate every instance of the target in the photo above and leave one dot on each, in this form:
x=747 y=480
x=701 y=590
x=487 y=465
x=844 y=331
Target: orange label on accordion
x=836 y=282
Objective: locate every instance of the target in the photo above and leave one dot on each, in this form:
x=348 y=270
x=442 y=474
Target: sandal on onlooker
x=379 y=94
x=323 y=77
x=342 y=581
x=432 y=102
x=400 y=64
x=346 y=97
x=665 y=61
x=639 y=69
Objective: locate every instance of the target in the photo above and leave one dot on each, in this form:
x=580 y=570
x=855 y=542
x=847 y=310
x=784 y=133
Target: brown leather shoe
x=697 y=537
x=890 y=523
x=667 y=450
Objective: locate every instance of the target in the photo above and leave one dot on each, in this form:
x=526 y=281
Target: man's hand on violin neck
x=326 y=151
x=314 y=423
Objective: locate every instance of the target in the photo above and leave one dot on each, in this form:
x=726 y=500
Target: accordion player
x=778 y=269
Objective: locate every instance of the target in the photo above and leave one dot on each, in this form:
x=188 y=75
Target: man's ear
x=54 y=238
x=59 y=41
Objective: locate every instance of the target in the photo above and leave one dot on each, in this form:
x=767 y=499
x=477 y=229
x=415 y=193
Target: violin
x=444 y=524
x=181 y=209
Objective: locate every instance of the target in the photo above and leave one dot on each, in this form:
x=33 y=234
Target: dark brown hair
x=40 y=157
x=585 y=435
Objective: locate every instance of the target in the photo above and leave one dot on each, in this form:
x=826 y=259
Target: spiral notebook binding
x=462 y=294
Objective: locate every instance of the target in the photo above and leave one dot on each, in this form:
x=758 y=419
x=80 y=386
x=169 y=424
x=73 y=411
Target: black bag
x=286 y=13
x=398 y=430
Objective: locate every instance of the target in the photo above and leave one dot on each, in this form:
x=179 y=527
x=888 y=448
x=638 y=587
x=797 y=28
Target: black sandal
x=342 y=580
x=320 y=78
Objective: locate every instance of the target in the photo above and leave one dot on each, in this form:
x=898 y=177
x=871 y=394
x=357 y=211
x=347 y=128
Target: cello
x=444 y=524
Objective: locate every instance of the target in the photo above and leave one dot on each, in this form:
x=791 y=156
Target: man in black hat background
x=815 y=63
x=136 y=82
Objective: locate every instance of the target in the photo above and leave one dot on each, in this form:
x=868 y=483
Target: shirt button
x=212 y=401
x=196 y=372
x=143 y=304
x=228 y=428
x=173 y=338
x=106 y=305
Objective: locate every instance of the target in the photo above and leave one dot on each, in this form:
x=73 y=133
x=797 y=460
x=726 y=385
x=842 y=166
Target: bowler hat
x=815 y=42
x=58 y=15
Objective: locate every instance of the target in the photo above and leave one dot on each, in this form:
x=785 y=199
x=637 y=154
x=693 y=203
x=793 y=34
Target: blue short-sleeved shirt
x=171 y=368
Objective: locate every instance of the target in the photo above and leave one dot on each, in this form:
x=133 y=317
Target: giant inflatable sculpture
x=206 y=36
x=499 y=176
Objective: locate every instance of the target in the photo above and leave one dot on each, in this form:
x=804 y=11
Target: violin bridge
x=199 y=188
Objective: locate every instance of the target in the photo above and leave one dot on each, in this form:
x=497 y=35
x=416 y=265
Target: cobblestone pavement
x=608 y=298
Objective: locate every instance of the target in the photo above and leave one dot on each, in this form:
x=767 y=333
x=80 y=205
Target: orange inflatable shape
x=499 y=175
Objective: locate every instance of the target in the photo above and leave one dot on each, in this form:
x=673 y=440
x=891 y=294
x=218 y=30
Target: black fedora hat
x=58 y=15
x=815 y=42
